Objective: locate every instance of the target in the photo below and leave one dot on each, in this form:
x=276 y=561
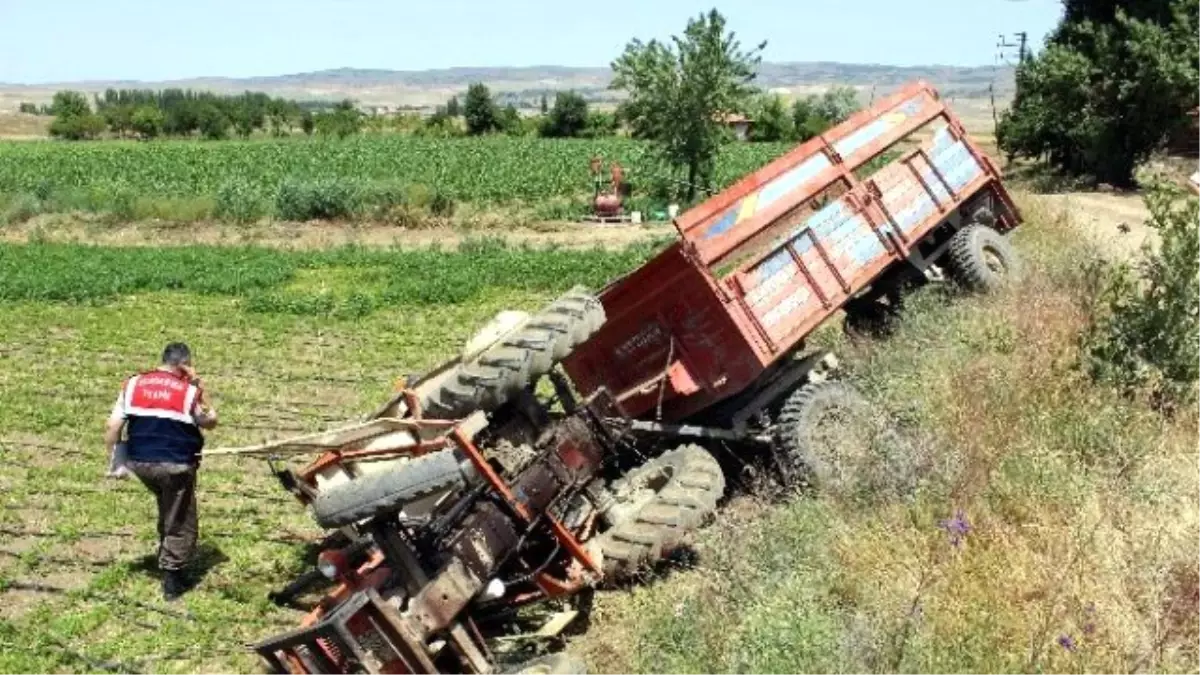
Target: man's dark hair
x=176 y=353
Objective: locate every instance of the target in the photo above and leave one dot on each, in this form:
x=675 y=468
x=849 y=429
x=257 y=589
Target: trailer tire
x=860 y=453
x=553 y=664
x=982 y=259
x=688 y=483
x=372 y=494
x=518 y=359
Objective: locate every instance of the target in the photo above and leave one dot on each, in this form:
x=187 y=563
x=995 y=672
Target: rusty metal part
x=364 y=633
x=472 y=652
x=441 y=600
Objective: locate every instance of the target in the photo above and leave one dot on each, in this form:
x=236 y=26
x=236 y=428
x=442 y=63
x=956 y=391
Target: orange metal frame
x=561 y=533
x=337 y=457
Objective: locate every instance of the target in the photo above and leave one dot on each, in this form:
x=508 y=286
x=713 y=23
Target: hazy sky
x=63 y=40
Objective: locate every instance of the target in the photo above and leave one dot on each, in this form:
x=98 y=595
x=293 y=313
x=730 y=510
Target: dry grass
x=1081 y=507
x=78 y=227
x=19 y=126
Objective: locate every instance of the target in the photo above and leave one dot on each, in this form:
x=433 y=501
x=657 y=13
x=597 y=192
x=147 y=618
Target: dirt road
x=1115 y=221
x=318 y=235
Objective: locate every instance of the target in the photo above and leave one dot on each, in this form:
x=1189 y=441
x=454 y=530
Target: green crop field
x=482 y=170
x=75 y=594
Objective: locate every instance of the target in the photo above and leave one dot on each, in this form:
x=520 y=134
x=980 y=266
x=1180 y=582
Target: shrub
x=120 y=202
x=238 y=202
x=77 y=127
x=418 y=195
x=385 y=194
x=19 y=209
x=441 y=204
x=1146 y=327
x=326 y=199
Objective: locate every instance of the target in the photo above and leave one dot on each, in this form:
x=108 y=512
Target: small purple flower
x=1089 y=610
x=1067 y=642
x=957 y=527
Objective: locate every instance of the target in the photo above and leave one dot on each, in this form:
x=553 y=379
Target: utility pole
x=1004 y=55
x=1003 y=44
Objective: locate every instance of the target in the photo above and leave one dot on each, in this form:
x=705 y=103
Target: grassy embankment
x=1056 y=530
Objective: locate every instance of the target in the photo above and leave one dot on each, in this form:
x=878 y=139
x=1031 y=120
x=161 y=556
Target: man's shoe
x=174 y=585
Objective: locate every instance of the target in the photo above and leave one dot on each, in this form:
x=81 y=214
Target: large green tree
x=480 y=111
x=679 y=92
x=1115 y=79
x=73 y=117
x=771 y=120
x=147 y=121
x=568 y=117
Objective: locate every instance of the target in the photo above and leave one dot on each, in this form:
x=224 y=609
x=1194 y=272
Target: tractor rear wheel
x=553 y=664
x=376 y=493
x=982 y=259
x=832 y=439
x=518 y=359
x=658 y=505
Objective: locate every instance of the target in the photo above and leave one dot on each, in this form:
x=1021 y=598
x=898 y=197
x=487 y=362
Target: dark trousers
x=174 y=486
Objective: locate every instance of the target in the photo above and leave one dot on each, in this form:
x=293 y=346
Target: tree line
x=139 y=113
x=145 y=113
x=479 y=113
x=1115 y=80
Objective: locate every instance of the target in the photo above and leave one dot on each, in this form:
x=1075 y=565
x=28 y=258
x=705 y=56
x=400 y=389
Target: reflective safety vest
x=159 y=409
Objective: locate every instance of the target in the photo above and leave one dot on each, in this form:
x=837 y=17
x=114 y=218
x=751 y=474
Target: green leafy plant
x=1146 y=330
x=237 y=202
x=325 y=199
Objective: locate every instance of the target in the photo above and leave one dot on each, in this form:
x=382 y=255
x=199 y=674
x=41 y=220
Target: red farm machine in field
x=472 y=494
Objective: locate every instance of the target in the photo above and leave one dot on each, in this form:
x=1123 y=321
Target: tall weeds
x=1055 y=531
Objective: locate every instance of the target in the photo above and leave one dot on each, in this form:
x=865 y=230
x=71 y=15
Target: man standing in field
x=162 y=412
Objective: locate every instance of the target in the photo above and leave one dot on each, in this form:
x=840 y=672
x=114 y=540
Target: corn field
x=489 y=170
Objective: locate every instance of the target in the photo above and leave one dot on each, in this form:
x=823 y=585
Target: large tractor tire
x=518 y=359
x=831 y=439
x=377 y=493
x=553 y=664
x=982 y=259
x=665 y=500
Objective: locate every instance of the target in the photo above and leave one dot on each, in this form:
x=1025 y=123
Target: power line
x=1021 y=45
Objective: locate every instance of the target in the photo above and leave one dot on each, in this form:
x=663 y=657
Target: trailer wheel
x=376 y=493
x=982 y=259
x=658 y=505
x=831 y=438
x=553 y=664
x=518 y=359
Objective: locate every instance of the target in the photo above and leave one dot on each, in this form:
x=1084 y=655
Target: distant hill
x=525 y=85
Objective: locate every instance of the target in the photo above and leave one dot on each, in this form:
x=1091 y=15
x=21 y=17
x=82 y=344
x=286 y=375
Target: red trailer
x=708 y=324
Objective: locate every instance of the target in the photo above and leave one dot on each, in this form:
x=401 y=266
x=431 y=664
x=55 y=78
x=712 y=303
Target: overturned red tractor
x=579 y=445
